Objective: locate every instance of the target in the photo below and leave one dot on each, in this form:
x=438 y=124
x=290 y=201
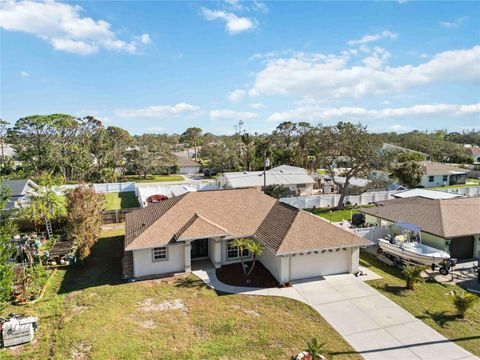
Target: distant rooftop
x=434 y=168
x=280 y=175
x=429 y=194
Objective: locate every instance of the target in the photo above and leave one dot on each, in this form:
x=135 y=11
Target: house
x=391 y=148
x=186 y=166
x=166 y=237
x=437 y=174
x=20 y=191
x=451 y=225
x=295 y=178
x=429 y=194
x=473 y=152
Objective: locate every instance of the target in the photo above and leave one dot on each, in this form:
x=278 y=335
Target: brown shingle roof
x=447 y=218
x=474 y=150
x=234 y=213
x=431 y=168
x=183 y=161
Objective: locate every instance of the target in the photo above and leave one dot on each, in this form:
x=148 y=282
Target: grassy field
x=154 y=178
x=120 y=200
x=337 y=215
x=88 y=312
x=429 y=302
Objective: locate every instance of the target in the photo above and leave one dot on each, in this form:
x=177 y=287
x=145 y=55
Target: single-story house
x=451 y=225
x=166 y=237
x=391 y=148
x=473 y=152
x=186 y=166
x=20 y=191
x=293 y=177
x=429 y=194
x=437 y=174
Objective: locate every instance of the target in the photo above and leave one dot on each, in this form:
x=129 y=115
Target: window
x=159 y=253
x=431 y=178
x=233 y=251
x=445 y=177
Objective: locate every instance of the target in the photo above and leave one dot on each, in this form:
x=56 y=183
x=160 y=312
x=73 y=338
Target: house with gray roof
x=436 y=174
x=293 y=177
x=168 y=236
x=20 y=191
x=450 y=225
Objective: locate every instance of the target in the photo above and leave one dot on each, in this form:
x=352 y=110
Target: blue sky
x=165 y=66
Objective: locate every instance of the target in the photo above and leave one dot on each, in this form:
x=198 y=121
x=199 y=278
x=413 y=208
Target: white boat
x=414 y=252
x=409 y=248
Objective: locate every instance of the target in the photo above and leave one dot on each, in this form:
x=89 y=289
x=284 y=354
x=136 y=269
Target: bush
x=463 y=301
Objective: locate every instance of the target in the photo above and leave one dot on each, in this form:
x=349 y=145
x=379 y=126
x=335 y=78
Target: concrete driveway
x=374 y=325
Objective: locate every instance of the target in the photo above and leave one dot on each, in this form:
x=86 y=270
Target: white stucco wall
x=143 y=264
x=272 y=263
x=184 y=170
x=437 y=181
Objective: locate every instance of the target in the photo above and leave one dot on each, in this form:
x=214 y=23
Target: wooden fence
x=115 y=216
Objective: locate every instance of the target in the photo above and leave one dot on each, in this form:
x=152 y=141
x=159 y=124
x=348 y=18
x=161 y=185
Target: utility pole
x=266 y=162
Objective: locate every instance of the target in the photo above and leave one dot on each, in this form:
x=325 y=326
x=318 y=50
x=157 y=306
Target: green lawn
x=88 y=312
x=429 y=302
x=337 y=215
x=121 y=200
x=154 y=178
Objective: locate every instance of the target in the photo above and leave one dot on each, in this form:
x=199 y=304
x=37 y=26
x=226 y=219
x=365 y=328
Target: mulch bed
x=233 y=275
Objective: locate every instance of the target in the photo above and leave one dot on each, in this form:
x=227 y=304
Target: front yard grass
x=154 y=178
x=88 y=312
x=429 y=302
x=120 y=200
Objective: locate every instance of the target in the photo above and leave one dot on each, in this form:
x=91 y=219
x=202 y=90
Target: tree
x=412 y=275
x=254 y=247
x=410 y=156
x=463 y=301
x=408 y=173
x=222 y=156
x=7 y=250
x=349 y=145
x=192 y=136
x=84 y=217
x=3 y=134
x=277 y=191
x=150 y=155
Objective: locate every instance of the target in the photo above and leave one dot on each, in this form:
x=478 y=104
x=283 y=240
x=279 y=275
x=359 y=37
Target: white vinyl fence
x=102 y=188
x=323 y=201
x=466 y=191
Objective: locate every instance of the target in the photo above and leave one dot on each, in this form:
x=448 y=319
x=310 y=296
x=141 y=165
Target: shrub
x=463 y=301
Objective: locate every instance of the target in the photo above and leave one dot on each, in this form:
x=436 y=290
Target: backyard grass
x=337 y=215
x=429 y=302
x=120 y=200
x=154 y=178
x=88 y=312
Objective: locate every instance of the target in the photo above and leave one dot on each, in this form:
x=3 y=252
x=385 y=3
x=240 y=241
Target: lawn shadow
x=396 y=290
x=189 y=282
x=128 y=200
x=441 y=318
x=102 y=267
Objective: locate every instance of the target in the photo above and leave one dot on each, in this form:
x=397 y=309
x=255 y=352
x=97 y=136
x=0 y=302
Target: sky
x=164 y=66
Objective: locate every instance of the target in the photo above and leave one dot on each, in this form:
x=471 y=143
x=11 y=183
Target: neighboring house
x=186 y=166
x=451 y=225
x=391 y=148
x=428 y=194
x=20 y=191
x=473 y=152
x=437 y=174
x=295 y=178
x=166 y=237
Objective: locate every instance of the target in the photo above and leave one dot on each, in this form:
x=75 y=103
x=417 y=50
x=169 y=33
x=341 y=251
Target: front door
x=199 y=249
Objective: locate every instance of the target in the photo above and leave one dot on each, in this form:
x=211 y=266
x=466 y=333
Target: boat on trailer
x=408 y=248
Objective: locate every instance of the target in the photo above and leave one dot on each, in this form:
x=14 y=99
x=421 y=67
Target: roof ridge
x=289 y=227
x=442 y=224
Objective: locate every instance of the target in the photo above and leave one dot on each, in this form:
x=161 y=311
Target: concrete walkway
x=375 y=326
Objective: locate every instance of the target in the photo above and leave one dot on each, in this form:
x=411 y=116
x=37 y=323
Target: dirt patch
x=81 y=352
x=78 y=309
x=148 y=305
x=233 y=275
x=251 y=312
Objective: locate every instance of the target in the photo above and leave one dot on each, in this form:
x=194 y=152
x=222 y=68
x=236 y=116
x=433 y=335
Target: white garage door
x=319 y=264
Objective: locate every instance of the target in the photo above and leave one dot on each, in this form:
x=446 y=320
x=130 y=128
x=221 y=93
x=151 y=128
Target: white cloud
x=455 y=23
x=24 y=74
x=161 y=111
x=233 y=23
x=237 y=95
x=257 y=106
x=374 y=37
x=63 y=26
x=315 y=113
x=224 y=114
x=322 y=76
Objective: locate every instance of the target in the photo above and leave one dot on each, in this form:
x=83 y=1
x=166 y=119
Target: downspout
x=289 y=267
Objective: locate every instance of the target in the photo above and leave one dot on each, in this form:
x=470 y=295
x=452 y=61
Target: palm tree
x=412 y=274
x=255 y=248
x=463 y=301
